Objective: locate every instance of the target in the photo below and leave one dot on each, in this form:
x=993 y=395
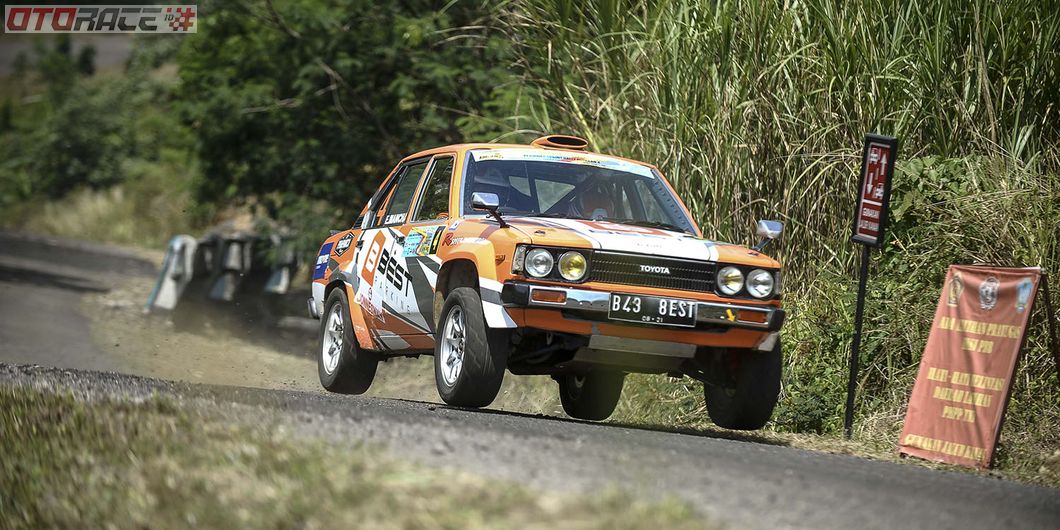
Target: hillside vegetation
x=757 y=110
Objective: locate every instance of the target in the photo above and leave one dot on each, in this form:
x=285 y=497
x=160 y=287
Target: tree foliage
x=317 y=99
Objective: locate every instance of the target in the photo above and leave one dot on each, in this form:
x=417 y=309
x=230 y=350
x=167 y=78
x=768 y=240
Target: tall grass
x=758 y=109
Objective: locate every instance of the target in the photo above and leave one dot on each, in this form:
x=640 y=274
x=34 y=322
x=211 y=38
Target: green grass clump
x=153 y=464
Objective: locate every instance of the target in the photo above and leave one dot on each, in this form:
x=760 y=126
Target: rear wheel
x=342 y=365
x=591 y=396
x=469 y=357
x=747 y=400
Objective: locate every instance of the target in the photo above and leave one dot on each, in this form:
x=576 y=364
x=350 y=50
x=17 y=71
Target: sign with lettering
x=962 y=389
x=874 y=190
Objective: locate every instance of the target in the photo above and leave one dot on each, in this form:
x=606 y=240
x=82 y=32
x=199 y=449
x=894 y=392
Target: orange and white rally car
x=547 y=259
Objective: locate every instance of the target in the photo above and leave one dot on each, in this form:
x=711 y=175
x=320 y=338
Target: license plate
x=652 y=310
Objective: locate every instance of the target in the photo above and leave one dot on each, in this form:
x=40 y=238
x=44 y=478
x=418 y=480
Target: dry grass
x=144 y=212
x=120 y=464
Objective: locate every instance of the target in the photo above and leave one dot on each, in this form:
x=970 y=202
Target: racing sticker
x=436 y=241
x=322 y=261
x=343 y=243
x=539 y=155
x=420 y=241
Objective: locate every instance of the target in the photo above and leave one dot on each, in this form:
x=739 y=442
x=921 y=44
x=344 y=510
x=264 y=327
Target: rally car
x=547 y=259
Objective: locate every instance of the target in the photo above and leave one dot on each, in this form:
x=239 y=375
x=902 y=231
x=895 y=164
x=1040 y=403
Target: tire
x=469 y=357
x=748 y=402
x=343 y=367
x=592 y=396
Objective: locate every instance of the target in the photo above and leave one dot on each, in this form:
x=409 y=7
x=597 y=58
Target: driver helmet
x=595 y=203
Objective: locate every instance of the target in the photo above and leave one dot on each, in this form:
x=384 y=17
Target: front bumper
x=759 y=318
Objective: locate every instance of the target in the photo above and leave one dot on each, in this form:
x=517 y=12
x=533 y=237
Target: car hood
x=605 y=235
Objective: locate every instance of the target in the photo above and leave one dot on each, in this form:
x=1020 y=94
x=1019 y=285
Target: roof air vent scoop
x=561 y=141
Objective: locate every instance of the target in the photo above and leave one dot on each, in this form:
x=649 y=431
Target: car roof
x=461 y=148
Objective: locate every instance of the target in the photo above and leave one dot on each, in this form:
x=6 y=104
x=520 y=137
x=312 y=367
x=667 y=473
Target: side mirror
x=489 y=202
x=767 y=231
x=485 y=201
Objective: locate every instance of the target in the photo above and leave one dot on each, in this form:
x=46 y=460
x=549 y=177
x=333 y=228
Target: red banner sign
x=874 y=193
x=959 y=398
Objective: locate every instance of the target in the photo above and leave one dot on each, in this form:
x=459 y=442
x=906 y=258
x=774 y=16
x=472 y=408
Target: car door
x=383 y=289
x=396 y=258
x=423 y=233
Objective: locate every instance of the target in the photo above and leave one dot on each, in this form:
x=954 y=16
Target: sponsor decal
x=540 y=155
x=322 y=261
x=988 y=293
x=465 y=240
x=655 y=269
x=434 y=242
x=420 y=240
x=448 y=240
x=364 y=301
x=412 y=242
x=953 y=292
x=1023 y=294
x=343 y=243
x=393 y=271
x=454 y=225
x=166 y=19
x=371 y=259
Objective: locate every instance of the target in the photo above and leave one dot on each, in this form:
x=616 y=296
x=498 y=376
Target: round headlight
x=539 y=262
x=760 y=283
x=730 y=280
x=572 y=266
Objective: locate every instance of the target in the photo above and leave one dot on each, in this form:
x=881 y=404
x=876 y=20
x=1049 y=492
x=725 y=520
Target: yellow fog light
x=572 y=266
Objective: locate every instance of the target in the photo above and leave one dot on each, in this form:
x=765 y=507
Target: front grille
x=624 y=269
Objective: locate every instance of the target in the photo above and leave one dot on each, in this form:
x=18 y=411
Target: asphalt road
x=742 y=482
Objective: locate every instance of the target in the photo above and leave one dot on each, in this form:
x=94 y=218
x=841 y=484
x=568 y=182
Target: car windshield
x=574 y=187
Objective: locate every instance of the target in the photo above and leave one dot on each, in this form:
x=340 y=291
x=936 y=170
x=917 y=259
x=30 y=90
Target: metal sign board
x=874 y=189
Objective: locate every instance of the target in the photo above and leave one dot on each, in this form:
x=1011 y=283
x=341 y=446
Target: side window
x=401 y=198
x=434 y=204
x=377 y=204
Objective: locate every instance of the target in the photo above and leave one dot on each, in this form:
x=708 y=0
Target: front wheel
x=469 y=357
x=591 y=396
x=746 y=402
x=343 y=367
